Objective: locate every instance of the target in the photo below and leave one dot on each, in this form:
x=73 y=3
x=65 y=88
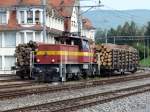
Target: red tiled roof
x=30 y=2
x=87 y=24
x=18 y=27
x=64 y=7
x=8 y=3
x=35 y=27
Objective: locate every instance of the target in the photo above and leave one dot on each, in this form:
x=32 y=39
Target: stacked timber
x=23 y=53
x=116 y=56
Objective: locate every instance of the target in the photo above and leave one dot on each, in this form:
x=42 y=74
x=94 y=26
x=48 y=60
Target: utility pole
x=144 y=51
x=106 y=39
x=114 y=40
x=79 y=19
x=147 y=49
x=43 y=2
x=79 y=14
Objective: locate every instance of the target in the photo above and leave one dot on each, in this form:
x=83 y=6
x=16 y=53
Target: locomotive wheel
x=20 y=74
x=76 y=77
x=84 y=75
x=30 y=78
x=133 y=71
x=122 y=73
x=22 y=77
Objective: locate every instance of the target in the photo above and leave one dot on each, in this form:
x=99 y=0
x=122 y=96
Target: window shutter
x=9 y=62
x=29 y=36
x=10 y=39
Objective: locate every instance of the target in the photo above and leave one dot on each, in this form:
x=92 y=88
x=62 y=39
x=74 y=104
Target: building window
x=0 y=39
x=22 y=39
x=62 y=22
x=9 y=62
x=29 y=16
x=38 y=36
x=22 y=17
x=3 y=18
x=0 y=62
x=74 y=23
x=37 y=16
x=29 y=36
x=55 y=20
x=10 y=39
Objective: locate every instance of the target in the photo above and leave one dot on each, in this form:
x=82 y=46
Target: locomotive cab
x=85 y=45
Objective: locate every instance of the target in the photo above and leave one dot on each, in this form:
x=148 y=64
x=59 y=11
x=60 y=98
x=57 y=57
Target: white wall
x=89 y=33
x=28 y=35
x=74 y=20
x=55 y=23
x=51 y=39
x=7 y=53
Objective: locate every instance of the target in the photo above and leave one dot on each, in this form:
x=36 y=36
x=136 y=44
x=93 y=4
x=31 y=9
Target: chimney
x=67 y=24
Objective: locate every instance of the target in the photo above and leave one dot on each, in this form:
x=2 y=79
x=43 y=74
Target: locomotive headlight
x=53 y=60
x=38 y=60
x=36 y=49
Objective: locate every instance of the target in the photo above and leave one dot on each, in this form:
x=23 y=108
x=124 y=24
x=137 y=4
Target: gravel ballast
x=49 y=97
x=136 y=103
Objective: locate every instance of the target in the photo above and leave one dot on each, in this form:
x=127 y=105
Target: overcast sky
x=121 y=4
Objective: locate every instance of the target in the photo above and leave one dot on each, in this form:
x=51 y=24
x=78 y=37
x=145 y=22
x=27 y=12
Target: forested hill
x=111 y=18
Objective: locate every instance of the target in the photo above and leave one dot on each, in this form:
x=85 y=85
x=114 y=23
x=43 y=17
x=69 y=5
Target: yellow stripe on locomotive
x=64 y=53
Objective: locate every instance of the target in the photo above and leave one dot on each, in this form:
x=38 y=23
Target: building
x=68 y=9
x=24 y=20
x=88 y=29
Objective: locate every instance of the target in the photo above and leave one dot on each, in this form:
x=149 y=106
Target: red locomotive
x=71 y=58
x=68 y=60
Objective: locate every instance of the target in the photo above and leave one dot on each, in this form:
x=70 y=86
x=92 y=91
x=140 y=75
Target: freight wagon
x=120 y=58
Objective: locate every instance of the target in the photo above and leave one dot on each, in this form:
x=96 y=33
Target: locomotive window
x=85 y=45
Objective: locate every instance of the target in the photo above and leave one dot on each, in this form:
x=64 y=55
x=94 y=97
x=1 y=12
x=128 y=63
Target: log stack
x=23 y=52
x=116 y=56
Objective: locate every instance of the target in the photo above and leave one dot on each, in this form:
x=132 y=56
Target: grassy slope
x=146 y=62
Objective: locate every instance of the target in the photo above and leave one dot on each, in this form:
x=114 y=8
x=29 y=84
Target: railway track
x=45 y=88
x=8 y=78
x=74 y=104
x=16 y=84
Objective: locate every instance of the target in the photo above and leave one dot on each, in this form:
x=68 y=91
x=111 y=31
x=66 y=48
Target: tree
x=119 y=30
x=147 y=33
x=99 y=35
x=112 y=32
x=125 y=29
x=133 y=29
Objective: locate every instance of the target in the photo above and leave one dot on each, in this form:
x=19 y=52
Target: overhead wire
x=126 y=14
